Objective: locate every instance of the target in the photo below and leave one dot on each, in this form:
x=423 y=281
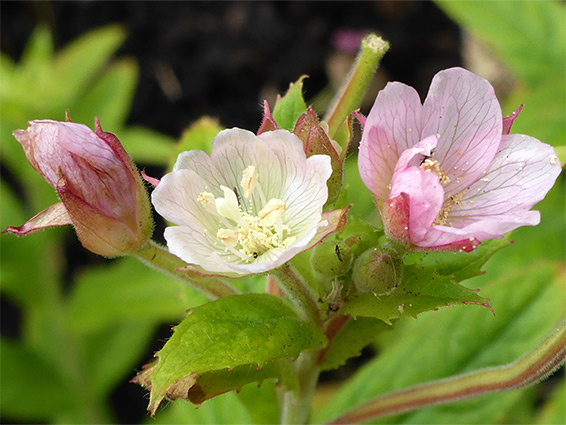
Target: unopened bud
x=332 y=258
x=378 y=272
x=102 y=195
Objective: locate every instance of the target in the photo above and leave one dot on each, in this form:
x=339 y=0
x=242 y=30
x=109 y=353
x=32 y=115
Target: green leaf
x=198 y=136
x=25 y=261
x=146 y=146
x=110 y=353
x=291 y=106
x=261 y=402
x=554 y=410
x=109 y=98
x=528 y=35
x=542 y=115
x=350 y=339
x=81 y=60
x=459 y=265
x=528 y=303
x=420 y=290
x=32 y=389
x=225 y=409
x=126 y=291
x=230 y=332
x=198 y=388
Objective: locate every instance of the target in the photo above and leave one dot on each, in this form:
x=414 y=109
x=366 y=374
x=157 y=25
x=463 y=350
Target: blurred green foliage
x=77 y=346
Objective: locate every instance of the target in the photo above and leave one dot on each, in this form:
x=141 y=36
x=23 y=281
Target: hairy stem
x=159 y=258
x=296 y=406
x=536 y=365
x=350 y=95
x=298 y=292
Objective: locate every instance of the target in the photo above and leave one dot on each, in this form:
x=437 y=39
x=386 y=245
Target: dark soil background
x=227 y=57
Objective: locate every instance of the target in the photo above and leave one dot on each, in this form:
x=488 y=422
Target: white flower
x=249 y=207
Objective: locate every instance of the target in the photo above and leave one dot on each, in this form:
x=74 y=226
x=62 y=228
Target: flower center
x=432 y=165
x=245 y=233
x=442 y=217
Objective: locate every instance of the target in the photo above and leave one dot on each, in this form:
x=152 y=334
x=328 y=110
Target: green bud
x=378 y=271
x=331 y=258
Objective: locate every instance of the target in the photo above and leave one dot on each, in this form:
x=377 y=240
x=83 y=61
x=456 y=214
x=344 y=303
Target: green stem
x=298 y=292
x=296 y=406
x=159 y=258
x=350 y=95
x=536 y=365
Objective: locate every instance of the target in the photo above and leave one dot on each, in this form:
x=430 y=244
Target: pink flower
x=447 y=174
x=101 y=193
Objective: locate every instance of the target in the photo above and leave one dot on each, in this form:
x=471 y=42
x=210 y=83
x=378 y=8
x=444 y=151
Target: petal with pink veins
x=462 y=110
x=392 y=126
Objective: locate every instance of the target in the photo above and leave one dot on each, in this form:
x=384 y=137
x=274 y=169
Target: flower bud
x=331 y=258
x=378 y=271
x=102 y=195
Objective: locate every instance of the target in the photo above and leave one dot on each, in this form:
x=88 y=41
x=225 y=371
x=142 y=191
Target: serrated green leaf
x=528 y=35
x=198 y=388
x=230 y=332
x=81 y=60
x=350 y=339
x=32 y=389
x=110 y=97
x=459 y=265
x=528 y=302
x=291 y=106
x=420 y=290
x=102 y=297
x=225 y=409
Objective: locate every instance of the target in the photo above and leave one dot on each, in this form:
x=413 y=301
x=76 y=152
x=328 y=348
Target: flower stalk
x=298 y=292
x=350 y=95
x=159 y=258
x=536 y=365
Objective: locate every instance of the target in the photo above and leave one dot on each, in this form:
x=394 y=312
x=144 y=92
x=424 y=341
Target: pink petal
x=55 y=215
x=461 y=108
x=395 y=218
x=508 y=121
x=393 y=125
x=426 y=197
x=522 y=173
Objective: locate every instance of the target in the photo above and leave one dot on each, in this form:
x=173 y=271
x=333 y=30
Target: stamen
x=432 y=165
x=249 y=181
x=269 y=214
x=228 y=237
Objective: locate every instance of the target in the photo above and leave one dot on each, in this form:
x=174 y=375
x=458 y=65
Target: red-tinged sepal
x=396 y=219
x=316 y=142
x=55 y=215
x=268 y=123
x=508 y=121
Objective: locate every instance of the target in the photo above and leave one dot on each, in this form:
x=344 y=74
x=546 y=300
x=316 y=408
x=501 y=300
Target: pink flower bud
x=102 y=195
